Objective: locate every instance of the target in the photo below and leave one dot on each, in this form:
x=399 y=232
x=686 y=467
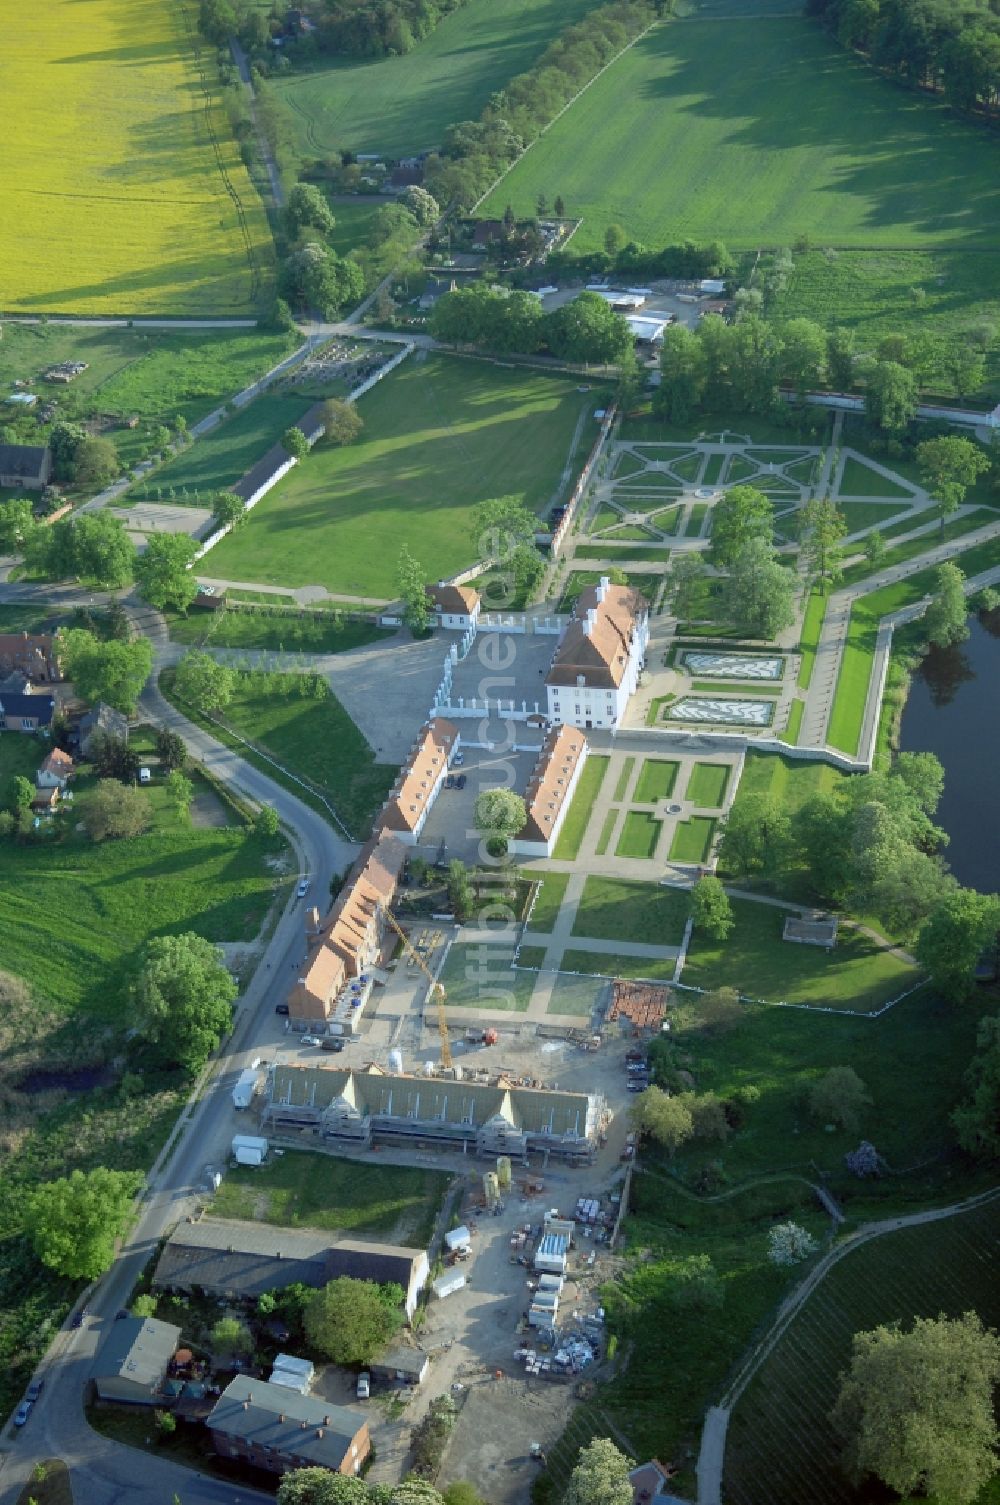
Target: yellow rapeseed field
x=122 y=190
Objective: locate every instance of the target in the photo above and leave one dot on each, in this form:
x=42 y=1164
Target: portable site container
x=249 y=1149
x=550 y=1283
x=245 y=1087
x=563 y=1226
x=289 y=1381
x=458 y=1238
x=447 y=1284
x=551 y=1254
x=294 y=1366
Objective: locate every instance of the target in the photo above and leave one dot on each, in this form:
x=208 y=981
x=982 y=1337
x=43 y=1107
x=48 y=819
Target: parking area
x=505 y=666
x=451 y=819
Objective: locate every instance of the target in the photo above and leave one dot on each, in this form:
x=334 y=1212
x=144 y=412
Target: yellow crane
x=437 y=991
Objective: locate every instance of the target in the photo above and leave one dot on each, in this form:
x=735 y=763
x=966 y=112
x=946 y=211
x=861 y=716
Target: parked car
x=281 y=1008
x=78 y=1318
x=22 y=1413
x=449 y=782
x=302 y=888
x=460 y=781
x=364 y=1385
x=311 y=1040
x=34 y=1390
x=334 y=1042
x=458 y=759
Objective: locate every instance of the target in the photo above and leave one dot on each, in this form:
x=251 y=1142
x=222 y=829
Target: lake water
x=954 y=711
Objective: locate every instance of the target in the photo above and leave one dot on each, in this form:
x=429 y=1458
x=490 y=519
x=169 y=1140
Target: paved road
x=105 y=1473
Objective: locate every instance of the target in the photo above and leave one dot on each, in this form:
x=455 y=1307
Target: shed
x=448 y=1283
x=294 y=1365
x=551 y=1254
x=132 y=1363
x=812 y=930
x=458 y=1238
x=408 y=1365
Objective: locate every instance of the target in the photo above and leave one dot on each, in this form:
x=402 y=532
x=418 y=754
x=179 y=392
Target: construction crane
x=437 y=991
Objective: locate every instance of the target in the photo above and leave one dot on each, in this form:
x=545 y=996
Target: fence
x=579 y=490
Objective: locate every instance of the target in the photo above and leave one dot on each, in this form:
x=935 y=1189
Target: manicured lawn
x=574 y=995
x=400 y=105
x=147 y=206
x=756 y=169
x=859 y=479
x=692 y=839
x=639 y=835
x=481 y=977
x=780 y=1426
x=695 y=520
x=615 y=553
x=656 y=781
x=438 y=432
x=623 y=778
x=302 y=1190
x=787 y=780
x=607 y=831
x=19 y=755
x=791 y=732
x=301 y=631
x=567 y=847
x=912 y=548
x=812 y=626
x=858 y=515
x=312 y=738
x=856 y=975
x=614 y=910
x=549 y=900
x=218 y=460
x=611 y=964
x=708 y=784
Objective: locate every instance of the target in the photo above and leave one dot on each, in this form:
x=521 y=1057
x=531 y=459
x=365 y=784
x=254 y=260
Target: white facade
x=522 y=848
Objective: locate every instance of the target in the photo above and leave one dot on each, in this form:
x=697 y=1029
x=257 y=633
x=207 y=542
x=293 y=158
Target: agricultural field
x=144 y=208
x=757 y=169
x=438 y=439
x=405 y=104
x=780 y=1445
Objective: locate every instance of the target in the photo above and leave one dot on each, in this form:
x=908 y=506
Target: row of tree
x=586 y=330
x=931 y=44
x=476 y=152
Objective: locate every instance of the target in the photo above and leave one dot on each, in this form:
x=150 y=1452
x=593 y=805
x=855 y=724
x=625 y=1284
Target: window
x=26 y=723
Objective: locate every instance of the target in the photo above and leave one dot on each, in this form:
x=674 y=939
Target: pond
x=953 y=711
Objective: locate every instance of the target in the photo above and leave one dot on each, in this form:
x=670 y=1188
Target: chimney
x=281 y=1416
x=602 y=589
x=319 y=1431
x=326 y=1421
x=590 y=622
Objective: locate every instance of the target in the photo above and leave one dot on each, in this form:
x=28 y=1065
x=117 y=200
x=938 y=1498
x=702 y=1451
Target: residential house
x=550 y=789
x=45 y=799
x=25 y=712
x=272 y=1427
x=488 y=232
x=421 y=780
x=103 y=718
x=596 y=666
x=27 y=466
x=132 y=1362
x=456 y=607
x=55 y=771
x=32 y=654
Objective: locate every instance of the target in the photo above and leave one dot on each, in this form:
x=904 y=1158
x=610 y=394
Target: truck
x=248 y=1149
x=245 y=1087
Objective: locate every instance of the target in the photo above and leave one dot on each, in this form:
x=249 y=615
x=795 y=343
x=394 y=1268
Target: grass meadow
x=612 y=909
x=145 y=207
x=439 y=438
x=219 y=458
x=404 y=104
x=780 y=1446
x=700 y=131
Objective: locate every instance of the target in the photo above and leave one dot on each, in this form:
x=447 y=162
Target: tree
x=502 y=525
x=587 y=330
x=686 y=579
x=351 y=1320
x=759 y=594
x=228 y=510
x=182 y=998
x=756 y=836
x=948 y=467
x=693 y=1284
x=144 y=1305
x=840 y=359
x=720 y=1011
x=422 y=205
x=954 y=936
x=744 y=515
x=95 y=462
x=875 y=547
x=460 y=893
x=74 y=1222
x=411 y=581
x=683 y=373
x=203 y=683
x=977 y=1120
x=559 y=208
x=318 y=1486
x=316 y=278
x=93 y=547
x=231 y=1338
x=614 y=240
x=666 y=1119
x=266 y=822
x=500 y=813
x=945 y=618
x=163 y=571
x=20 y=793
x=114 y=672
x=17 y=519
x=890 y=397
x=116 y=812
x=789 y=1244
x=601 y=1476
x=112 y=757
x=708 y=1115
x=821 y=527
x=307 y=206
x=803 y=354
x=839 y=1097
x=342 y=423
x=295 y=443
x=915 y=1407
x=180 y=792
x=711 y=910
x=170 y=748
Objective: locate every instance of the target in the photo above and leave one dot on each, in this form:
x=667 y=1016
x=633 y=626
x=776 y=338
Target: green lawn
x=611 y=964
x=531 y=956
x=615 y=553
x=857 y=974
x=438 y=432
x=481 y=977
x=656 y=781
x=623 y=779
x=303 y=1190
x=26 y=616
x=218 y=460
x=912 y=548
x=549 y=900
x=695 y=519
x=354 y=217
x=859 y=515
x=301 y=631
x=614 y=910
x=756 y=169
x=708 y=784
x=692 y=839
x=812 y=626
x=791 y=732
x=859 y=479
x=19 y=755
x=404 y=104
x=567 y=846
x=607 y=831
x=313 y=738
x=574 y=995
x=780 y=1427
x=639 y=836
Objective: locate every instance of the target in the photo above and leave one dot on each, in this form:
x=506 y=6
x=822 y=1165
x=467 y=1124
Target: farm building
x=227 y=1257
x=271 y=1427
x=596 y=666
x=647 y=329
x=361 y=1107
x=25 y=465
x=131 y=1364
x=550 y=789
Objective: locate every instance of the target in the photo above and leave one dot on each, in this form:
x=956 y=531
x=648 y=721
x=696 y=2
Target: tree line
x=476 y=152
x=491 y=318
x=929 y=44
